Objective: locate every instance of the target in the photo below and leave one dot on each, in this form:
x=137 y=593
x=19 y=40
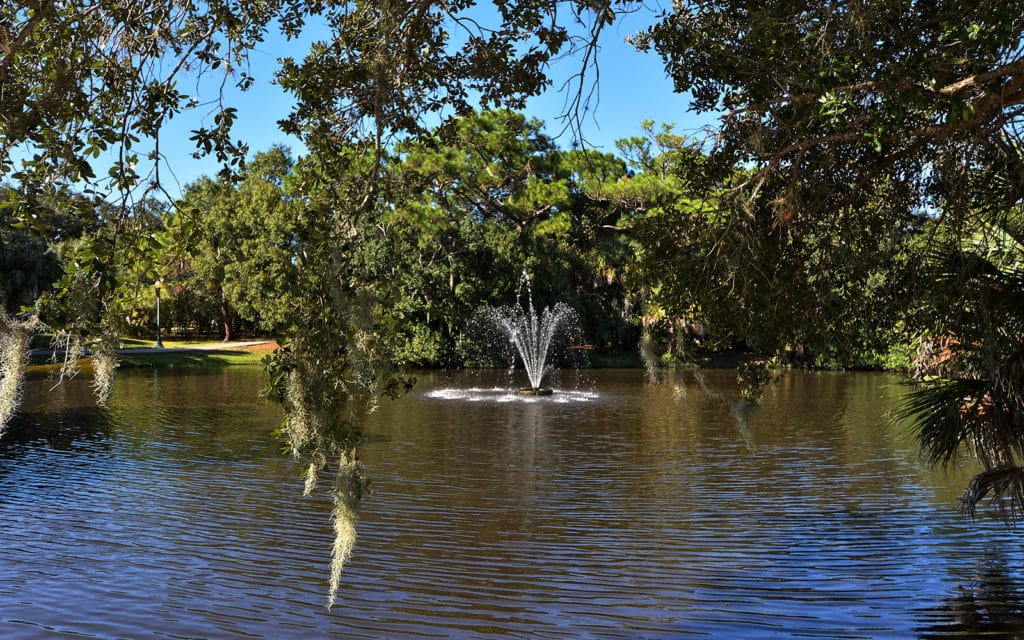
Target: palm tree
x=970 y=373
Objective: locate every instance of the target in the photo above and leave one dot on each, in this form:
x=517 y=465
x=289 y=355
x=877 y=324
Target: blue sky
x=633 y=87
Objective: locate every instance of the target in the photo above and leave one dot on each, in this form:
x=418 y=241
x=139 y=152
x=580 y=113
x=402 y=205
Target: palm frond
x=935 y=409
x=1003 y=486
x=952 y=267
x=976 y=273
x=981 y=283
x=999 y=184
x=1009 y=380
x=1007 y=290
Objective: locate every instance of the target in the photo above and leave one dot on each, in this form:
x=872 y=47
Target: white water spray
x=532 y=334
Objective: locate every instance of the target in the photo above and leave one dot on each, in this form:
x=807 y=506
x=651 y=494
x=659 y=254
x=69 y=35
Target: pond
x=620 y=509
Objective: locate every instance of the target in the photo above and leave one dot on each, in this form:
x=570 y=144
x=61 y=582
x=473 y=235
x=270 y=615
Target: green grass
x=128 y=357
x=216 y=358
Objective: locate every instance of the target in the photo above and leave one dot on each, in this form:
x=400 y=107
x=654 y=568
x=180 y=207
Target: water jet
x=533 y=335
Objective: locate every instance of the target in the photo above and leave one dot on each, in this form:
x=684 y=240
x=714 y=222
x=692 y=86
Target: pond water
x=619 y=510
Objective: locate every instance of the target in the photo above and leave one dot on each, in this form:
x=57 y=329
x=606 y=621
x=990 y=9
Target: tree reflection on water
x=990 y=605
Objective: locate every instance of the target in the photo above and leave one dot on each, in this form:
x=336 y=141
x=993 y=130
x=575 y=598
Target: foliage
x=835 y=102
x=753 y=377
x=971 y=363
x=487 y=197
x=228 y=244
x=32 y=225
x=337 y=334
x=853 y=119
x=85 y=85
x=390 y=68
x=27 y=268
x=133 y=295
x=712 y=275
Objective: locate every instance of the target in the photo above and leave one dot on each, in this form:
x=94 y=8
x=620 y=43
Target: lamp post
x=159 y=285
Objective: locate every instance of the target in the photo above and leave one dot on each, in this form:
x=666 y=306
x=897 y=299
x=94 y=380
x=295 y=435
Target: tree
x=476 y=198
x=822 y=293
x=210 y=238
x=834 y=101
x=856 y=122
x=488 y=197
x=27 y=268
x=228 y=240
x=86 y=85
x=971 y=367
x=87 y=90
x=855 y=119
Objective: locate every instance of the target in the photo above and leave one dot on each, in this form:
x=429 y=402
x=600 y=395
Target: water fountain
x=533 y=335
x=518 y=333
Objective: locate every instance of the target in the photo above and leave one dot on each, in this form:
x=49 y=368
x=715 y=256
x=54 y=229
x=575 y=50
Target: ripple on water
x=628 y=512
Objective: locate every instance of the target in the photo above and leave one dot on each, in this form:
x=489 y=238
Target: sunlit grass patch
x=210 y=358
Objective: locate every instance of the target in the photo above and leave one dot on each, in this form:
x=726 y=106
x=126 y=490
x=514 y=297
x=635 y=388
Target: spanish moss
x=104 y=364
x=14 y=352
x=349 y=486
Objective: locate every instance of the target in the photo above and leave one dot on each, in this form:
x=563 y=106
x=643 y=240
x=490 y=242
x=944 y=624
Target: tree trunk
x=225 y=314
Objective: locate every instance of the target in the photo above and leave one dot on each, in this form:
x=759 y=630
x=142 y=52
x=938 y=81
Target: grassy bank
x=174 y=354
x=205 y=358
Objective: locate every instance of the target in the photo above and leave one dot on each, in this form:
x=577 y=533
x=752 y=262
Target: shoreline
x=173 y=354
x=200 y=354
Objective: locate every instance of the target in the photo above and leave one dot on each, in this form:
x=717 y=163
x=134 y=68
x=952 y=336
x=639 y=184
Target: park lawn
x=196 y=353
x=136 y=353
x=204 y=358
